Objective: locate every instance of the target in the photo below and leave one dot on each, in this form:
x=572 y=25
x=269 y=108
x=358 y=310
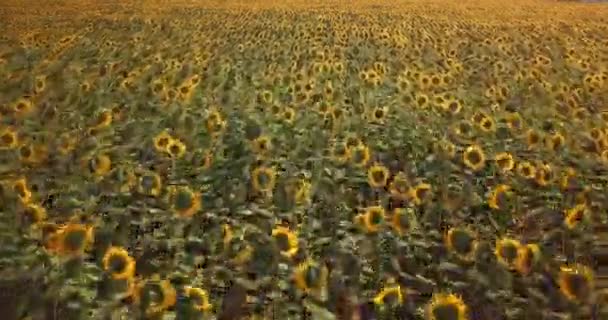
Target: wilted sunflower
x=310 y=276
x=474 y=158
x=403 y=220
x=444 y=306
x=118 y=263
x=199 y=298
x=263 y=179
x=286 y=241
x=185 y=202
x=576 y=282
x=575 y=215
x=504 y=161
x=377 y=176
x=462 y=242
x=506 y=251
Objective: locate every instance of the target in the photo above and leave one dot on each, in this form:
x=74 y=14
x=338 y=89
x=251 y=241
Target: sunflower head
x=533 y=138
x=575 y=215
x=262 y=145
x=150 y=184
x=420 y=193
x=461 y=241
x=185 y=202
x=161 y=141
x=474 y=158
x=576 y=282
x=155 y=295
x=263 y=179
x=176 y=148
x=286 y=241
x=377 y=176
x=215 y=123
x=400 y=186
x=100 y=165
x=359 y=155
x=390 y=295
x=310 y=276
x=403 y=220
x=118 y=263
x=339 y=153
x=506 y=251
x=445 y=306
x=544 y=175
x=528 y=257
x=526 y=170
x=199 y=298
x=22 y=191
x=33 y=213
x=373 y=218
x=8 y=139
x=74 y=239
x=504 y=161
x=499 y=197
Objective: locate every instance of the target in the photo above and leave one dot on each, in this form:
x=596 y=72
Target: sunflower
x=504 y=161
x=569 y=180
x=514 y=121
x=118 y=263
x=544 y=174
x=446 y=149
x=20 y=187
x=373 y=218
x=150 y=184
x=199 y=298
x=176 y=148
x=499 y=197
x=339 y=153
x=575 y=215
x=263 y=179
x=66 y=143
x=161 y=141
x=74 y=239
x=302 y=191
x=310 y=276
x=100 y=165
x=487 y=124
x=104 y=119
x=506 y=251
x=452 y=106
x=262 y=145
x=377 y=176
x=400 y=186
x=444 y=306
x=8 y=139
x=158 y=295
x=474 y=158
x=286 y=241
x=185 y=202
x=527 y=257
x=214 y=123
x=526 y=170
x=34 y=213
x=378 y=114
x=556 y=141
x=420 y=193
x=403 y=220
x=576 y=282
x=389 y=295
x=289 y=115
x=359 y=155
x=22 y=106
x=533 y=138
x=462 y=242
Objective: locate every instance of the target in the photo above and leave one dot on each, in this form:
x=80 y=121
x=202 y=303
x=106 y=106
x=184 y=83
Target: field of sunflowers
x=437 y=160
